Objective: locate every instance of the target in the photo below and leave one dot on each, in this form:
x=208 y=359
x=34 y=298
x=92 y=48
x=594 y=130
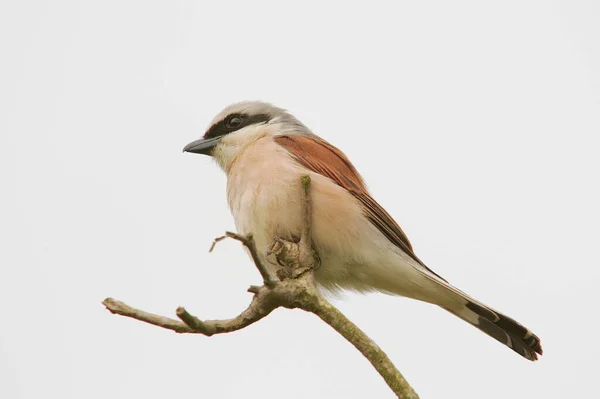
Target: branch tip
x=108 y=304
x=214 y=243
x=306 y=183
x=254 y=289
x=249 y=243
x=193 y=322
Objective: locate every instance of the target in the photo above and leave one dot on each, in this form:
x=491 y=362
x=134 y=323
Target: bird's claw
x=291 y=257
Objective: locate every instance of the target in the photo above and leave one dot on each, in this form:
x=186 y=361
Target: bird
x=264 y=151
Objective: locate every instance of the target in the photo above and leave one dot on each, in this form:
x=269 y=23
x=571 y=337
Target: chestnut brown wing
x=319 y=156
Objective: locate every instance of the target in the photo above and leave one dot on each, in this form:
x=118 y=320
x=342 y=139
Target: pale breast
x=263 y=190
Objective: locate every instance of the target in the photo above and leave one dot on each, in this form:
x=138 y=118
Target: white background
x=476 y=124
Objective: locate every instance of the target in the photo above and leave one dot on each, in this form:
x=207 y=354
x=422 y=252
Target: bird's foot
x=292 y=258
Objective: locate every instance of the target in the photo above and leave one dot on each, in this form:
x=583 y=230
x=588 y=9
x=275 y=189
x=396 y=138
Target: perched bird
x=264 y=151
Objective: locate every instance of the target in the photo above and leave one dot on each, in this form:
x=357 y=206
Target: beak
x=202 y=146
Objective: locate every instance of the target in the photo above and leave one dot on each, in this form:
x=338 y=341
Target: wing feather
x=319 y=156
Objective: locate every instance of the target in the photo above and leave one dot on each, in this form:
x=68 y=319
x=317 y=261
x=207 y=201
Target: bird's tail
x=500 y=327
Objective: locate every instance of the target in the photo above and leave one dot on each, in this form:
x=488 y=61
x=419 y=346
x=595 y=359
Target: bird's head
x=239 y=125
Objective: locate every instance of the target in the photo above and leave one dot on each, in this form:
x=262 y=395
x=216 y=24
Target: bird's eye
x=234 y=122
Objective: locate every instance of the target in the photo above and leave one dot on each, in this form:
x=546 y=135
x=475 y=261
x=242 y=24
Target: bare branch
x=214 y=243
x=306 y=235
x=377 y=357
x=120 y=308
x=261 y=305
x=193 y=322
x=249 y=243
x=297 y=289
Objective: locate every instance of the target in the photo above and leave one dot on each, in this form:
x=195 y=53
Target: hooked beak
x=202 y=146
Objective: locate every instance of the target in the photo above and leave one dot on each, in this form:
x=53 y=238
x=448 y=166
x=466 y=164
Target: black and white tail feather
x=500 y=327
